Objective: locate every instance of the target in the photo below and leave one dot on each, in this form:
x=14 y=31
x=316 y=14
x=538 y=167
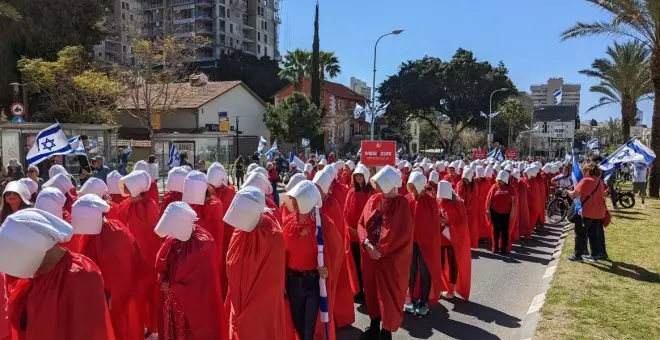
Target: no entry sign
x=17 y=109
x=378 y=153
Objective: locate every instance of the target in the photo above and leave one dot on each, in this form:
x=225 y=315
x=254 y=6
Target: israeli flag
x=628 y=153
x=262 y=144
x=129 y=149
x=50 y=141
x=577 y=177
x=271 y=151
x=496 y=154
x=381 y=110
x=358 y=111
x=77 y=146
x=558 y=96
x=323 y=291
x=294 y=160
x=593 y=144
x=305 y=143
x=174 y=159
x=491 y=115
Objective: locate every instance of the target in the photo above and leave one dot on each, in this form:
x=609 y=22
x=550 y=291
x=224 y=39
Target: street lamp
x=373 y=83
x=490 y=115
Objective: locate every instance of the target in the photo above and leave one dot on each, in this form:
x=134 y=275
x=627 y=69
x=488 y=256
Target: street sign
x=224 y=125
x=17 y=109
x=17 y=120
x=479 y=153
x=511 y=154
x=155 y=121
x=378 y=153
x=222 y=115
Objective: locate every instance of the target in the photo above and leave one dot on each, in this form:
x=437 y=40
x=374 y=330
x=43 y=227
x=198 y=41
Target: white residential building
x=543 y=94
x=555 y=128
x=360 y=87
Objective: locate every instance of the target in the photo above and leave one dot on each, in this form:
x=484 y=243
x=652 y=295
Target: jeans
x=500 y=230
x=419 y=266
x=303 y=291
x=587 y=228
x=449 y=259
x=276 y=196
x=239 y=180
x=613 y=197
x=355 y=250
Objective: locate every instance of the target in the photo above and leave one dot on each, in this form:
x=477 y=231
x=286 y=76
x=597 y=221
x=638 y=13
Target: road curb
x=531 y=320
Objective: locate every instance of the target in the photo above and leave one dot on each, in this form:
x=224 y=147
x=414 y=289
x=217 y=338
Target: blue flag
x=262 y=144
x=577 y=177
x=271 y=151
x=628 y=153
x=174 y=158
x=323 y=306
x=496 y=154
x=50 y=141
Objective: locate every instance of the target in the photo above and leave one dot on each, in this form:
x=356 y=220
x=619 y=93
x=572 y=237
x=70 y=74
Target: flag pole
x=322 y=282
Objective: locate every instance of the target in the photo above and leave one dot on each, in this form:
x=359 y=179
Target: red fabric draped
x=192 y=305
x=117 y=198
x=386 y=280
x=483 y=185
x=152 y=193
x=255 y=272
x=67 y=303
x=226 y=195
x=523 y=212
x=71 y=197
x=5 y=330
x=118 y=256
x=141 y=217
x=169 y=197
x=403 y=190
x=454 y=180
x=469 y=194
x=270 y=204
x=346 y=178
x=539 y=201
x=209 y=217
x=514 y=231
x=459 y=235
x=431 y=189
x=543 y=196
x=513 y=222
x=355 y=202
x=427 y=235
x=75 y=242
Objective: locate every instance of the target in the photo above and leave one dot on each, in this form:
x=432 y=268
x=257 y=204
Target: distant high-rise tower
x=360 y=87
x=556 y=92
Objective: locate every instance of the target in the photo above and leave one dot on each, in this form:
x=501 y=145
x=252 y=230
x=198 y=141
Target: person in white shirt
x=564 y=180
x=640 y=171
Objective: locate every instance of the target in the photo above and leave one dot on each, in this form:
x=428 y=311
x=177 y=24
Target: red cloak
x=210 y=217
x=67 y=303
x=355 y=202
x=483 y=187
x=118 y=256
x=523 y=211
x=403 y=189
x=75 y=242
x=513 y=222
x=5 y=330
x=153 y=191
x=543 y=196
x=117 y=198
x=255 y=272
x=386 y=280
x=226 y=195
x=71 y=197
x=169 y=197
x=469 y=195
x=188 y=272
x=539 y=201
x=514 y=231
x=459 y=235
x=346 y=178
x=270 y=204
x=426 y=234
x=141 y=217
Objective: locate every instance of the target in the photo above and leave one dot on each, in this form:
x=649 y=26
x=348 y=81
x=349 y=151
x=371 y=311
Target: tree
x=636 y=20
x=296 y=67
x=294 y=118
x=8 y=11
x=610 y=132
x=70 y=88
x=624 y=80
x=453 y=92
x=516 y=116
x=315 y=91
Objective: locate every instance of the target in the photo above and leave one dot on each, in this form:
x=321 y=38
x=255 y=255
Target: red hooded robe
x=483 y=187
x=67 y=303
x=541 y=197
x=152 y=193
x=209 y=217
x=523 y=212
x=459 y=234
x=513 y=222
x=169 y=197
x=117 y=198
x=469 y=194
x=386 y=280
x=226 y=195
x=192 y=306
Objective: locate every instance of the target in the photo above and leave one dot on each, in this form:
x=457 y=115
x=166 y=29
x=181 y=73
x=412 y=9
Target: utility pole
x=238 y=132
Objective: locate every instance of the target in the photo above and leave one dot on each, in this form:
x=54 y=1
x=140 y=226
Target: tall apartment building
x=121 y=24
x=251 y=26
x=543 y=94
x=360 y=87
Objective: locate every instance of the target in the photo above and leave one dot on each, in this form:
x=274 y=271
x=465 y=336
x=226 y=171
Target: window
x=231 y=42
x=265 y=51
x=123 y=16
x=222 y=11
x=260 y=11
x=258 y=36
x=266 y=38
x=222 y=25
x=545 y=127
x=131 y=17
x=123 y=47
x=231 y=28
x=259 y=49
x=228 y=13
x=128 y=6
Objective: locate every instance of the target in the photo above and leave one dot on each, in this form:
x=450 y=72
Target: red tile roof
x=184 y=96
x=336 y=89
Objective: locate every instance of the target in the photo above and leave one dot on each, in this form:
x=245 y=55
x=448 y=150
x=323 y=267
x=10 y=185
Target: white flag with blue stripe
x=129 y=149
x=323 y=306
x=358 y=111
x=50 y=141
x=305 y=143
x=558 y=96
x=577 y=177
x=271 y=151
x=262 y=144
x=593 y=144
x=491 y=115
x=174 y=158
x=628 y=153
x=77 y=146
x=294 y=160
x=496 y=154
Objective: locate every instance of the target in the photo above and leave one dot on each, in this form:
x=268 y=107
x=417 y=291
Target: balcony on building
x=180 y=2
x=247 y=24
x=204 y=15
x=204 y=29
x=204 y=3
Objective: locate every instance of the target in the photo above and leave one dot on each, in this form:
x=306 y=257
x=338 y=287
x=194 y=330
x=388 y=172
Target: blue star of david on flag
x=50 y=141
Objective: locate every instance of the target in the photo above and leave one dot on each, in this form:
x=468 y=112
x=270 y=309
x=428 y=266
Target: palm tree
x=637 y=20
x=624 y=80
x=8 y=11
x=329 y=65
x=610 y=132
x=296 y=67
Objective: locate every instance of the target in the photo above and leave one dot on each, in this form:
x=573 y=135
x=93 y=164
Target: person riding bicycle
x=564 y=180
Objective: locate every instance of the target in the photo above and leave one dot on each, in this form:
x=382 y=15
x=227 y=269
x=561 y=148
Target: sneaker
x=409 y=307
x=422 y=309
x=642 y=205
x=600 y=257
x=448 y=295
x=589 y=258
x=575 y=258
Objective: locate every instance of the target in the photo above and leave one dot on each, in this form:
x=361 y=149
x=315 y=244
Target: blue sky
x=524 y=34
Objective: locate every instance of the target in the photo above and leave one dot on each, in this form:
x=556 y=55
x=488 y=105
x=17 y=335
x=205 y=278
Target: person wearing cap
x=32 y=186
x=114 y=250
x=140 y=214
x=405 y=173
x=174 y=189
x=385 y=230
x=68 y=286
x=425 y=267
x=255 y=269
x=309 y=171
x=322 y=164
x=344 y=310
x=302 y=270
x=15 y=197
x=295 y=179
x=152 y=193
x=482 y=187
x=501 y=212
x=541 y=196
x=356 y=199
x=514 y=231
x=33 y=174
x=432 y=185
x=441 y=169
x=188 y=273
x=454 y=244
x=467 y=191
x=533 y=205
x=97 y=187
x=112 y=181
x=544 y=177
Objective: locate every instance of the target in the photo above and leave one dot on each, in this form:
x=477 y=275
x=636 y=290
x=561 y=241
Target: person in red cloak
x=140 y=215
x=425 y=265
x=188 y=272
x=5 y=330
x=302 y=270
x=343 y=313
x=501 y=212
x=514 y=232
x=356 y=199
x=52 y=200
x=114 y=250
x=523 y=207
x=405 y=173
x=346 y=177
x=432 y=185
x=456 y=254
x=482 y=188
x=174 y=190
x=15 y=197
x=62 y=183
x=152 y=193
x=295 y=179
x=255 y=270
x=468 y=192
x=490 y=175
x=539 y=199
x=59 y=294
x=533 y=203
x=452 y=176
x=259 y=180
x=112 y=181
x=96 y=186
x=32 y=186
x=308 y=171
x=209 y=209
x=385 y=230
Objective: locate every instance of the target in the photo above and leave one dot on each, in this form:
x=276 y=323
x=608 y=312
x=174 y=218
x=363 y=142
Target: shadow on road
x=438 y=319
x=477 y=253
x=485 y=313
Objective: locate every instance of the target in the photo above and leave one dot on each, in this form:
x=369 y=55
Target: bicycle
x=624 y=198
x=558 y=207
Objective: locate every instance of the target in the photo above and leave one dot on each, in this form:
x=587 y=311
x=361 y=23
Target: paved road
x=502 y=291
